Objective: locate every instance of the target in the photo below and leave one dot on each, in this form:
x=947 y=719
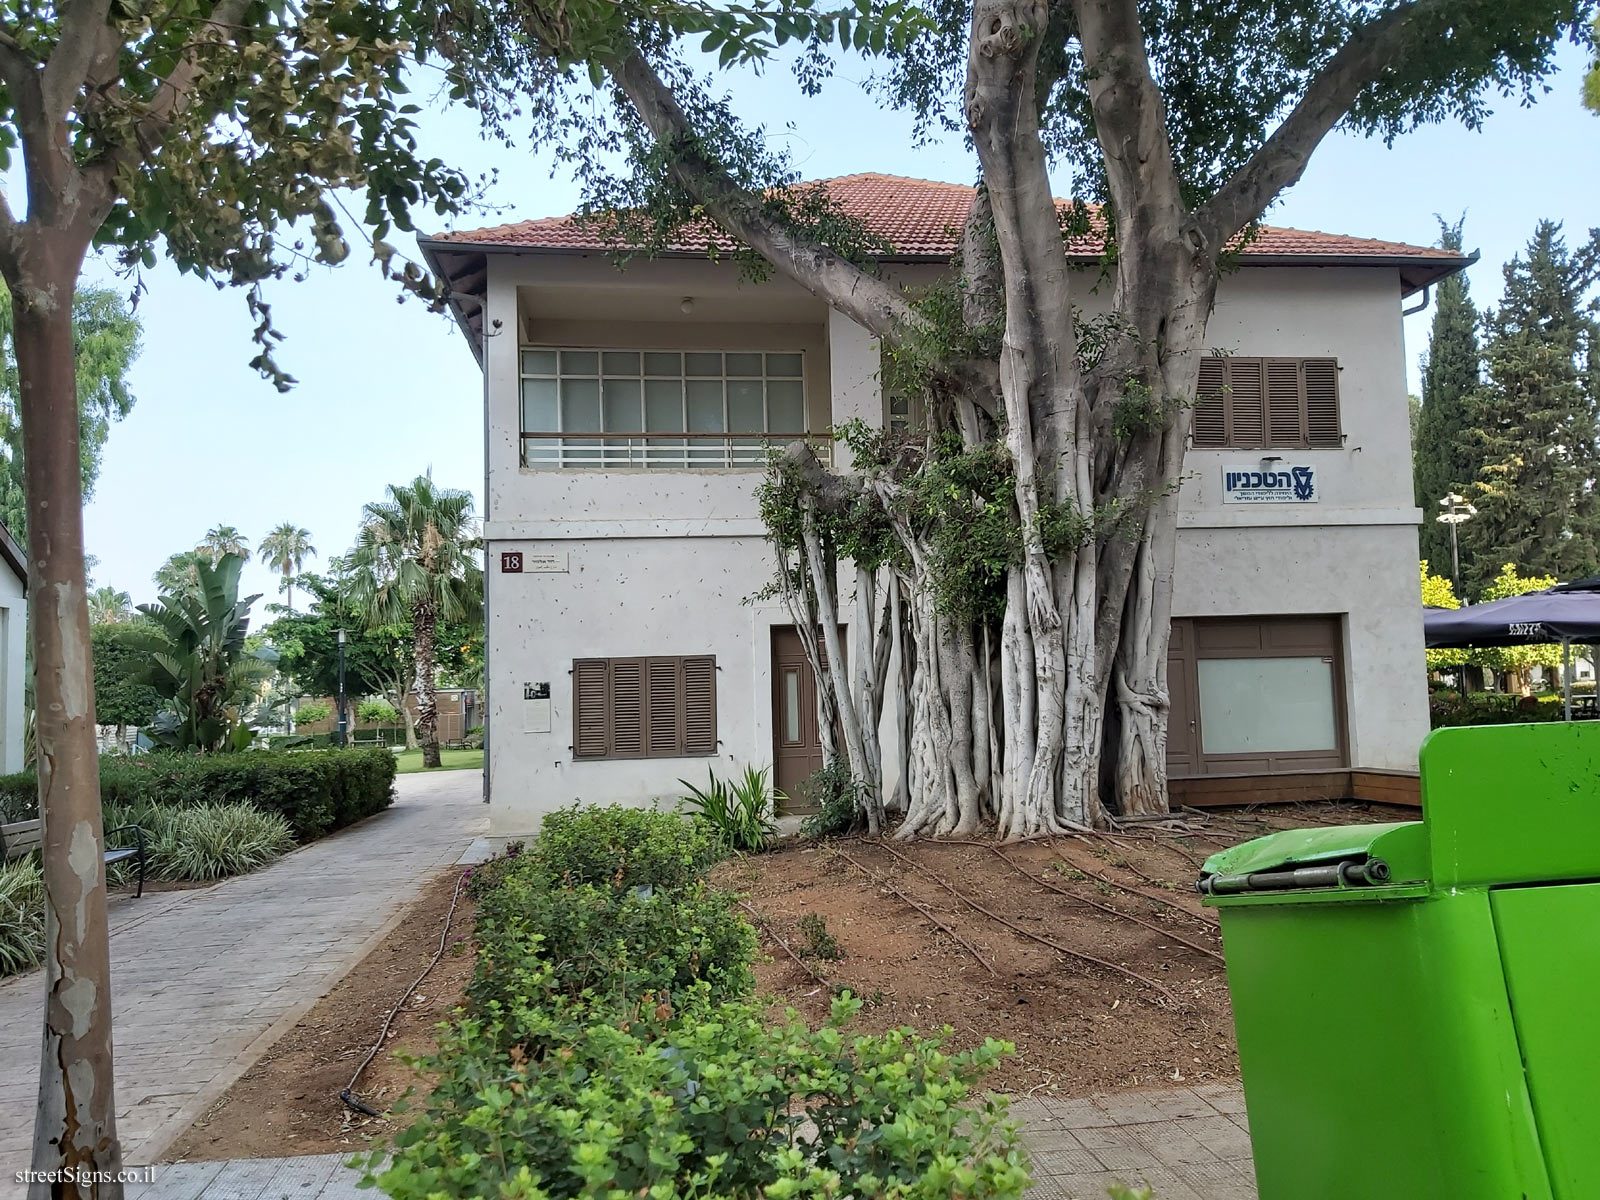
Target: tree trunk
x=76 y=1120
x=422 y=620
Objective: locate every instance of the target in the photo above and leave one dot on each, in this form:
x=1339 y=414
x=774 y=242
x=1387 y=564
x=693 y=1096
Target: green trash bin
x=1418 y=1004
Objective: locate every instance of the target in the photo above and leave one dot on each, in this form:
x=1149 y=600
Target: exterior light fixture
x=1456 y=510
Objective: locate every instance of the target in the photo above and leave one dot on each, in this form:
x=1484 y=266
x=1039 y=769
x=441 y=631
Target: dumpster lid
x=1340 y=858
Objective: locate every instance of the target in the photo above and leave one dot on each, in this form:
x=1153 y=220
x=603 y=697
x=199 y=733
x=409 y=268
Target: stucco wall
x=13 y=660
x=663 y=561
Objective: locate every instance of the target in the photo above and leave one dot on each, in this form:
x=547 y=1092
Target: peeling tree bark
x=76 y=1121
x=423 y=621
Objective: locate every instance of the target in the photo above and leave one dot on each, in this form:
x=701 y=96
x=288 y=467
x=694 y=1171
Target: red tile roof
x=922 y=218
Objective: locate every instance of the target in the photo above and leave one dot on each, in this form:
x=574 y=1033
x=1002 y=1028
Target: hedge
x=315 y=792
x=612 y=1046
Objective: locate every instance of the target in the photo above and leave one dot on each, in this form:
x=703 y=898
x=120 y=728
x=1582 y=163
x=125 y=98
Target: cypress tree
x=1537 y=421
x=1444 y=460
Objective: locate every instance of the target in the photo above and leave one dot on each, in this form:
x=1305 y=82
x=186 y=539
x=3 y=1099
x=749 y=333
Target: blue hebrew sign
x=1276 y=484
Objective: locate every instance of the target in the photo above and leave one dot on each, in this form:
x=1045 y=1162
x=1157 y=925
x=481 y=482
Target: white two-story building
x=626 y=415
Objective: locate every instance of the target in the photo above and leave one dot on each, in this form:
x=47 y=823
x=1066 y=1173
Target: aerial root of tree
x=1105 y=965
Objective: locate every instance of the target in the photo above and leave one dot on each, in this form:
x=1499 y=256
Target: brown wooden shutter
x=1210 y=426
x=627 y=707
x=663 y=736
x=1322 y=402
x=590 y=708
x=1285 y=407
x=1246 y=403
x=700 y=705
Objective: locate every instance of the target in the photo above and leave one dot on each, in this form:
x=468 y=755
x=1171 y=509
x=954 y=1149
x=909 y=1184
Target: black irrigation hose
x=351 y=1100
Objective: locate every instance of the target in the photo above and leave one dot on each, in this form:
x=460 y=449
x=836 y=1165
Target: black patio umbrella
x=1565 y=613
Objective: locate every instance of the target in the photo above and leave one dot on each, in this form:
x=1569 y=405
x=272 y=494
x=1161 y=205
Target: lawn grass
x=449 y=760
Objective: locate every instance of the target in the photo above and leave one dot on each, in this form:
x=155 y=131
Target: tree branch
x=84 y=25
x=875 y=305
x=1282 y=158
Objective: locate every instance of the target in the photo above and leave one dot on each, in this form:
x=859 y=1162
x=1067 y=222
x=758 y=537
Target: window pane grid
x=659 y=408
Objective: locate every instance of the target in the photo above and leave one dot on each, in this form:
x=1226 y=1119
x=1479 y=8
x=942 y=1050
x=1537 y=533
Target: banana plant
x=198 y=660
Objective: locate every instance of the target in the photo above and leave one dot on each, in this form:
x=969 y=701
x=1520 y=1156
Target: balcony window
x=708 y=409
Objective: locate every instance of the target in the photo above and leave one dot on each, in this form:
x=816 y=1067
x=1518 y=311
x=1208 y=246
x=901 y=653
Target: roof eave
x=15 y=557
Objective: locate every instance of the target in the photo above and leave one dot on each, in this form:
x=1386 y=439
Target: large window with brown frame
x=1267 y=403
x=659 y=707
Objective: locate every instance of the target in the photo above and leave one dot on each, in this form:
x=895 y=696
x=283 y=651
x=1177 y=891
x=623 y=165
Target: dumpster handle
x=1327 y=875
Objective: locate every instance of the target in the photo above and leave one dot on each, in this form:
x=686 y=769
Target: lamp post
x=344 y=719
x=1456 y=510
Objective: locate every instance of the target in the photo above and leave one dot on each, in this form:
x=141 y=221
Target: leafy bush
x=837 y=794
x=738 y=810
x=609 y=945
x=819 y=943
x=1491 y=708
x=312 y=711
x=671 y=1108
x=315 y=792
x=377 y=712
x=21 y=915
x=611 y=1049
x=210 y=841
x=624 y=847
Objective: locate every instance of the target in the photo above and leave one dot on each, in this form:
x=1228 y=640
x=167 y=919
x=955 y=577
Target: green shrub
x=610 y=945
x=377 y=712
x=311 y=712
x=739 y=811
x=837 y=795
x=213 y=841
x=21 y=915
x=314 y=792
x=624 y=847
x=703 y=1106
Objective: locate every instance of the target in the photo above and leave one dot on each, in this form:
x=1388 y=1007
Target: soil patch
x=288 y=1102
x=1095 y=957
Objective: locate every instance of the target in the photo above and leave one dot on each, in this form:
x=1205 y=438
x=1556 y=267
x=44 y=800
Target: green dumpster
x=1418 y=1004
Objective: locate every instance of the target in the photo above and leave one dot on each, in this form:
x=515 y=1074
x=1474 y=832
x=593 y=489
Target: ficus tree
x=201 y=129
x=1179 y=124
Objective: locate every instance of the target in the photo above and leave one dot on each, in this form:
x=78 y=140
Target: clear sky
x=388 y=390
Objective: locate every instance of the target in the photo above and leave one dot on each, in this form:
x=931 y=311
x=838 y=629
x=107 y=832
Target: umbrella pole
x=1566 y=677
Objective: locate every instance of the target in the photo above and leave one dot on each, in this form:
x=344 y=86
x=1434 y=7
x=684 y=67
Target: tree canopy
x=106 y=335
x=1536 y=422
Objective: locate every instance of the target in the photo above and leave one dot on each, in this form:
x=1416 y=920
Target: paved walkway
x=1188 y=1144
x=204 y=981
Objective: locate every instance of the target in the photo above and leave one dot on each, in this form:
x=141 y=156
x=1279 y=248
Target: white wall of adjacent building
x=13 y=660
x=623 y=562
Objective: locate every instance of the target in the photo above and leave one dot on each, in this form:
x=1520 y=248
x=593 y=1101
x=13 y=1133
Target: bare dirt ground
x=288 y=1102
x=1093 y=955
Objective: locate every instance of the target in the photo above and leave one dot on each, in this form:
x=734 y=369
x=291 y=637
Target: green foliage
x=624 y=847
x=286 y=547
x=21 y=915
x=196 y=660
x=602 y=945
x=377 y=712
x=739 y=810
x=105 y=334
x=704 y=1108
x=109 y=606
x=610 y=1049
x=819 y=943
x=122 y=694
x=1120 y=1191
x=1443 y=456
x=417 y=552
x=1535 y=422
x=840 y=799
x=1446 y=708
x=1439 y=592
x=963 y=501
x=316 y=792
x=312 y=711
x=1591 y=80
x=207 y=841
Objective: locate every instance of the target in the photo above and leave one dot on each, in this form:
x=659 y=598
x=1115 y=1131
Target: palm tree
x=287 y=547
x=223 y=539
x=177 y=574
x=416 y=557
x=108 y=606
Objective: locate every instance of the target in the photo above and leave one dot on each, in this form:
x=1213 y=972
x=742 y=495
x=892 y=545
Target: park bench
x=22 y=837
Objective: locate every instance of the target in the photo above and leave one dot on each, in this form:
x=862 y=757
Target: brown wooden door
x=796 y=741
x=1183 y=741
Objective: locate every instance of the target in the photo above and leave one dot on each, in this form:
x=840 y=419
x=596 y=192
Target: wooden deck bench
x=22 y=837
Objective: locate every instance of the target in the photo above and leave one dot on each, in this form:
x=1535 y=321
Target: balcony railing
x=672 y=451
